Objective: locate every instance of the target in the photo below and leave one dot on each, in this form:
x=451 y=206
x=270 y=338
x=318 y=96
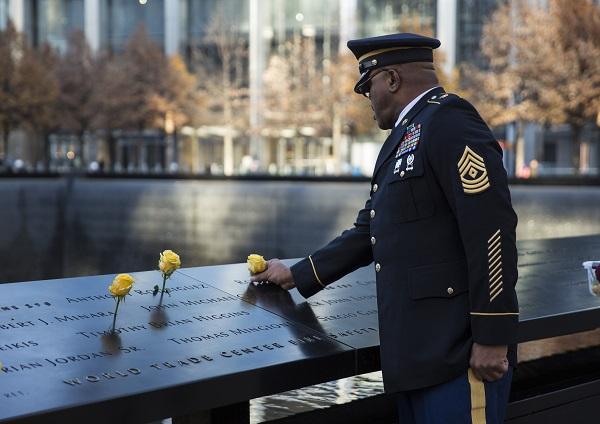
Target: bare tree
x=28 y=87
x=142 y=89
x=220 y=63
x=11 y=51
x=77 y=76
x=38 y=94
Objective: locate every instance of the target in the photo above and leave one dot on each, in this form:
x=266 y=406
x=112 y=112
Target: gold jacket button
x=450 y=290
x=375 y=187
x=373 y=241
x=372 y=213
x=377 y=267
x=402 y=174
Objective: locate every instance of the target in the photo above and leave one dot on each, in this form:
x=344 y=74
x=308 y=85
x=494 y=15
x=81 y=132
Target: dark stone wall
x=51 y=228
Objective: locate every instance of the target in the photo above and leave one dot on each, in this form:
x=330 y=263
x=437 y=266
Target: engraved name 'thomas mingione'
x=227 y=333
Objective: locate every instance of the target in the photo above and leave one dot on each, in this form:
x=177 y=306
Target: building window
x=549 y=152
x=471 y=17
x=53 y=21
x=376 y=17
x=3 y=13
x=196 y=18
x=119 y=19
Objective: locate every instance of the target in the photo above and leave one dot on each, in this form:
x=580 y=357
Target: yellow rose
x=169 y=261
x=256 y=263
x=121 y=285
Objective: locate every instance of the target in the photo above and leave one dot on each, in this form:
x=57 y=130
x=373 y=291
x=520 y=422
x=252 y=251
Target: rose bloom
x=121 y=285
x=169 y=261
x=256 y=263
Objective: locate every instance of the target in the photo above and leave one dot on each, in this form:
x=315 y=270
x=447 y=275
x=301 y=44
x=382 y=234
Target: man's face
x=378 y=93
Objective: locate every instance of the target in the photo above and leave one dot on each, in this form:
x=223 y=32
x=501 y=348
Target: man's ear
x=394 y=80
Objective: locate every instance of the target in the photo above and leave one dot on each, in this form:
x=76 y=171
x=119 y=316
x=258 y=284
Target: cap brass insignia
x=473 y=174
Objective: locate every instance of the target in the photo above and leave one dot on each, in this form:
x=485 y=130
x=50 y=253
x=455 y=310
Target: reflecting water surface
x=315 y=397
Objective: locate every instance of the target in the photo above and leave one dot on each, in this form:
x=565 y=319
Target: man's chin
x=383 y=126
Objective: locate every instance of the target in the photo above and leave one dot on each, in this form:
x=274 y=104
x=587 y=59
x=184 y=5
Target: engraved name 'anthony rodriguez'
x=92 y=298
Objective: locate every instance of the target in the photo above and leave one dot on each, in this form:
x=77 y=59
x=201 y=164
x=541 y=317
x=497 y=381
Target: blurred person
x=440 y=228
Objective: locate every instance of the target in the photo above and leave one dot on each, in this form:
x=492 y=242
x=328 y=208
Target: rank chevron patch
x=473 y=174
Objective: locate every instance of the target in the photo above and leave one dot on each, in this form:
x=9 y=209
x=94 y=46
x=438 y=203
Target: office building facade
x=182 y=26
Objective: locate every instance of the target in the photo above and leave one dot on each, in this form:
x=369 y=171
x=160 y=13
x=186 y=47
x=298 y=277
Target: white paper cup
x=593 y=283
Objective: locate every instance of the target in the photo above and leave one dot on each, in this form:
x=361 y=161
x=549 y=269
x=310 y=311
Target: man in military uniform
x=440 y=229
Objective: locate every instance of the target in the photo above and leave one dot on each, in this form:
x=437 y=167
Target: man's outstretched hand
x=489 y=363
x=277 y=273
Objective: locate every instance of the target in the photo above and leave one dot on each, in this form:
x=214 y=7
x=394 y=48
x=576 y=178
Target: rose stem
x=115 y=317
x=162 y=292
x=164 y=282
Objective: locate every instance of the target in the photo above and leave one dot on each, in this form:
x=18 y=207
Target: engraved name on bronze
x=14 y=394
x=173 y=289
x=347 y=315
x=118 y=330
x=95 y=297
x=18 y=345
x=335 y=301
x=194 y=302
x=65 y=360
x=227 y=333
x=353 y=332
x=33 y=305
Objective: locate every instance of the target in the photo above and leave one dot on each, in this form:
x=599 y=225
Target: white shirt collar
x=411 y=104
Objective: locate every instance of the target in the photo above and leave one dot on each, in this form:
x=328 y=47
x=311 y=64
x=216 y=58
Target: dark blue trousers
x=464 y=400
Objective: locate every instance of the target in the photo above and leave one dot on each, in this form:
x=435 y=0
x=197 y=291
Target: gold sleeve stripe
x=495 y=264
x=494 y=275
x=497 y=233
x=498 y=254
x=494 y=250
x=315 y=271
x=494 y=245
x=497 y=293
x=494 y=313
x=477 y=389
x=494 y=285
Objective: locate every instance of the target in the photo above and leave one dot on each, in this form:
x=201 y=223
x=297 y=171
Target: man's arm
x=467 y=162
x=349 y=251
